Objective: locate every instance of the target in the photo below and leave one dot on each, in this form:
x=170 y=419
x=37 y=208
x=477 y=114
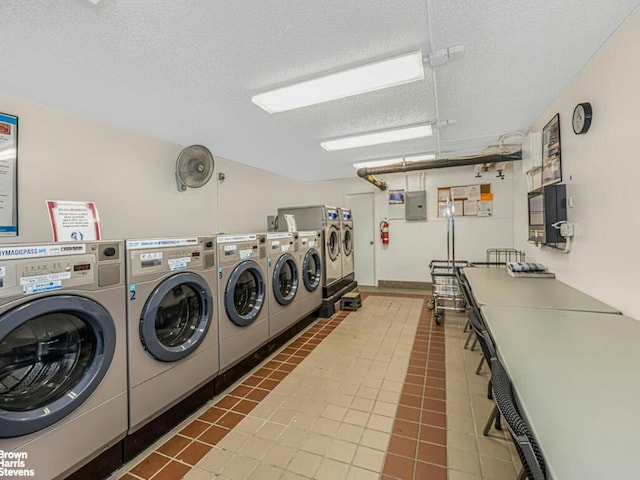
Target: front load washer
x=346 y=230
x=172 y=322
x=325 y=219
x=282 y=281
x=242 y=287
x=310 y=261
x=63 y=359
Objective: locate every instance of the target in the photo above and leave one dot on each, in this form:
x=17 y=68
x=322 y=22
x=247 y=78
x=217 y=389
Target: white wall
x=601 y=170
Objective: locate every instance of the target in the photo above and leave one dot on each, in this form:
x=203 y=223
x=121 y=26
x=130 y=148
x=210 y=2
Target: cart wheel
x=430 y=304
x=437 y=316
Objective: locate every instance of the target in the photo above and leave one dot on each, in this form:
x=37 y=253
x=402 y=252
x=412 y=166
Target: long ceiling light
x=376 y=138
x=385 y=162
x=366 y=78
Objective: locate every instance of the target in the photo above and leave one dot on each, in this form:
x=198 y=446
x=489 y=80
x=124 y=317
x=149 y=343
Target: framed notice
x=8 y=175
x=73 y=221
x=551 y=162
x=396 y=197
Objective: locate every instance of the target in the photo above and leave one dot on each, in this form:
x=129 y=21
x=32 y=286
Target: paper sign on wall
x=73 y=221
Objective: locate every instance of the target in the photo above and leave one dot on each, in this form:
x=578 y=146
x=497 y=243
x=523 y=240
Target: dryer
x=242 y=303
x=346 y=236
x=310 y=261
x=172 y=322
x=325 y=219
x=283 y=280
x=63 y=362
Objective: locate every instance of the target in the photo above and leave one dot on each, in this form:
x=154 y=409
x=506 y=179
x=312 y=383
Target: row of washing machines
x=336 y=227
x=99 y=338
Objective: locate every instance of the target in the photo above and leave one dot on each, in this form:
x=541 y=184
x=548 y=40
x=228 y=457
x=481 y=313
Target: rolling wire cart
x=446 y=292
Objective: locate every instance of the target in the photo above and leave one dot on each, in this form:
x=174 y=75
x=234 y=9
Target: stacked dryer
x=63 y=359
x=325 y=219
x=283 y=281
x=173 y=327
x=346 y=231
x=242 y=287
x=310 y=261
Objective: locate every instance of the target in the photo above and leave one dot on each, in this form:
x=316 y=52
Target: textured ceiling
x=185 y=71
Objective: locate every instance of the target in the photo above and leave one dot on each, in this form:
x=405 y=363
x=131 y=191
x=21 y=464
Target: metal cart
x=446 y=292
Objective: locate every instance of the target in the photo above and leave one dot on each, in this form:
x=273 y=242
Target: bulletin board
x=466 y=200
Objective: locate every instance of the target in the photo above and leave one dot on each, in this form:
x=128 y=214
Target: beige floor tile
x=303 y=421
x=378 y=422
x=364 y=404
x=215 y=460
x=369 y=458
x=357 y=473
x=463 y=461
x=249 y=425
x=496 y=448
x=265 y=472
x=234 y=441
x=385 y=409
x=467 y=442
x=331 y=470
x=341 y=451
x=461 y=423
x=325 y=426
x=198 y=474
x=497 y=469
x=349 y=433
x=280 y=455
x=257 y=448
x=239 y=467
x=316 y=443
x=292 y=437
x=334 y=412
x=375 y=439
x=356 y=417
x=304 y=463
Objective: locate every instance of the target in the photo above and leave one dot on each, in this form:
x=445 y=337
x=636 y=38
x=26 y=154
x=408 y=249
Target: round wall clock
x=582 y=118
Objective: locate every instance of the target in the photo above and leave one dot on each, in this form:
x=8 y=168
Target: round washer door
x=176 y=317
x=54 y=352
x=333 y=243
x=347 y=241
x=311 y=270
x=285 y=279
x=244 y=293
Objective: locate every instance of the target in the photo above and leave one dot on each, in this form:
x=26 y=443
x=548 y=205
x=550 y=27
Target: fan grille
x=194 y=166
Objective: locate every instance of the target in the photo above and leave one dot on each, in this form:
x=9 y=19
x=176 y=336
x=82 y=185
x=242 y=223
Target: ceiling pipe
x=369 y=173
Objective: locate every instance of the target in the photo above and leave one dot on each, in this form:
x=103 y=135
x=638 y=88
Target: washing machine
x=310 y=261
x=325 y=219
x=172 y=322
x=63 y=359
x=283 y=280
x=346 y=235
x=242 y=296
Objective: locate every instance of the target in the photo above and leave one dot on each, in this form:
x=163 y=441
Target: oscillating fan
x=194 y=167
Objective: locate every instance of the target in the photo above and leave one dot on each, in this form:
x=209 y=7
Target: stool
x=351 y=301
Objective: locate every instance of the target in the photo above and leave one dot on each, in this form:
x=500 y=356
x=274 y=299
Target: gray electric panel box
x=416 y=205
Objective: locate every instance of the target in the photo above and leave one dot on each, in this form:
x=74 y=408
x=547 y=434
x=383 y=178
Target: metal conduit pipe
x=369 y=173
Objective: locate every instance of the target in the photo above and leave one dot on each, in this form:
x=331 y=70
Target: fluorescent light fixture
x=393 y=161
x=366 y=78
x=376 y=138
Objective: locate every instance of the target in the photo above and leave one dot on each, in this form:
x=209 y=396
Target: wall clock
x=582 y=118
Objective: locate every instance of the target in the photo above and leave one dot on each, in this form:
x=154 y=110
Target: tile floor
x=380 y=393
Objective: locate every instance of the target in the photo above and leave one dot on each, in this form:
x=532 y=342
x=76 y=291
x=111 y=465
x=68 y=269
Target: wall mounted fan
x=194 y=167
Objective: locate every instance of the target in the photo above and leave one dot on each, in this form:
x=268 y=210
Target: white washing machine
x=242 y=303
x=346 y=230
x=172 y=322
x=283 y=280
x=327 y=221
x=310 y=261
x=63 y=359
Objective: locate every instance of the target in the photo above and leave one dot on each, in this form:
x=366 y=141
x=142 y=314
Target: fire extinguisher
x=384 y=232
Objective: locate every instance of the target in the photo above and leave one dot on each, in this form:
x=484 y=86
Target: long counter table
x=494 y=286
x=575 y=377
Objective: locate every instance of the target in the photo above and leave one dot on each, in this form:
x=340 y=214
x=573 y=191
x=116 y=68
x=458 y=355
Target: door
x=347 y=241
x=311 y=270
x=54 y=352
x=244 y=293
x=285 y=279
x=364 y=235
x=176 y=317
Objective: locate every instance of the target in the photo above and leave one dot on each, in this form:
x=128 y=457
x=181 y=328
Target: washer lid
x=176 y=317
x=54 y=352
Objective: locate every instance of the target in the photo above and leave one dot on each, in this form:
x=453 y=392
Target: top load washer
x=346 y=230
x=325 y=219
x=172 y=322
x=242 y=303
x=63 y=359
x=310 y=261
x=282 y=280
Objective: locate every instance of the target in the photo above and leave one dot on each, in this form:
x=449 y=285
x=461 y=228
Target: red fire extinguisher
x=384 y=232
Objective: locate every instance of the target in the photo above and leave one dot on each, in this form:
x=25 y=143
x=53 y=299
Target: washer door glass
x=311 y=270
x=244 y=293
x=285 y=279
x=54 y=352
x=333 y=243
x=347 y=241
x=176 y=317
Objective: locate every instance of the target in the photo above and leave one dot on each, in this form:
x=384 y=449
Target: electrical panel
x=416 y=205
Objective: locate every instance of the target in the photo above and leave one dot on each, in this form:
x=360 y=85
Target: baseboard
x=404 y=284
